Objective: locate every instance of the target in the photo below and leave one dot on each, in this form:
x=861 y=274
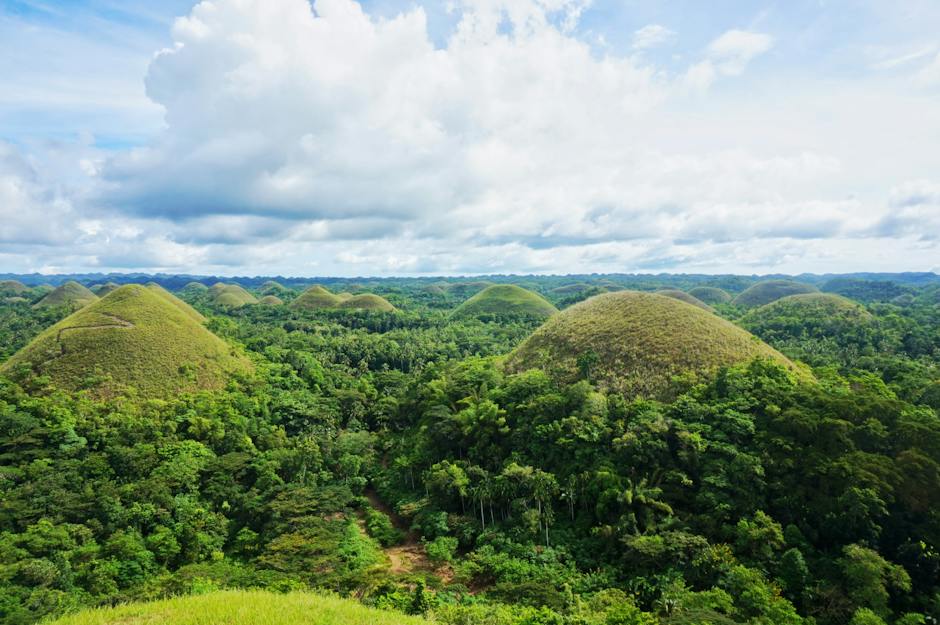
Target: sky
x=400 y=137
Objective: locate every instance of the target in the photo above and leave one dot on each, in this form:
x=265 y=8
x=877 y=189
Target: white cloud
x=929 y=75
x=318 y=140
x=651 y=36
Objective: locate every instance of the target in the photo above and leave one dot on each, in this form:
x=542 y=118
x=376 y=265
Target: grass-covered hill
x=688 y=298
x=571 y=289
x=191 y=312
x=271 y=300
x=194 y=288
x=505 y=299
x=770 y=291
x=70 y=294
x=315 y=298
x=366 y=301
x=711 y=295
x=103 y=289
x=462 y=290
x=813 y=326
x=232 y=296
x=243 y=608
x=636 y=343
x=11 y=288
x=135 y=337
x=319 y=298
x=273 y=287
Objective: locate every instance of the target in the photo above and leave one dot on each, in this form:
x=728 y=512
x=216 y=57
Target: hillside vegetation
x=506 y=299
x=232 y=296
x=134 y=338
x=636 y=342
x=769 y=291
x=710 y=295
x=366 y=301
x=243 y=608
x=318 y=298
x=71 y=294
x=688 y=298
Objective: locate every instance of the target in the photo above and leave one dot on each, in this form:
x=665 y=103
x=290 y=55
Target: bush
x=441 y=549
x=380 y=527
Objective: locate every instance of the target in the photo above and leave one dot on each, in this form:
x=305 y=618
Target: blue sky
x=390 y=137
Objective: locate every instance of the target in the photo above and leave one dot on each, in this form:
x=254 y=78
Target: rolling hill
x=135 y=337
x=315 y=298
x=70 y=294
x=711 y=295
x=232 y=296
x=682 y=296
x=769 y=291
x=505 y=299
x=635 y=343
x=11 y=288
x=103 y=289
x=243 y=607
x=367 y=301
x=467 y=289
x=271 y=300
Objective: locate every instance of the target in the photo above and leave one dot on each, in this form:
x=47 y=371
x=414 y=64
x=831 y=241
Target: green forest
x=508 y=450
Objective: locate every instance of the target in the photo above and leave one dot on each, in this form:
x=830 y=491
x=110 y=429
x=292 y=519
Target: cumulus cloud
x=651 y=36
x=319 y=139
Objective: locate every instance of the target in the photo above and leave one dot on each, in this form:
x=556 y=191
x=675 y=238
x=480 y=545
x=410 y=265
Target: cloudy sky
x=399 y=137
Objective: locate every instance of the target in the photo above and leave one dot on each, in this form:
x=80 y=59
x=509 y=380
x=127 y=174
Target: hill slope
x=315 y=298
x=243 y=608
x=682 y=296
x=771 y=290
x=505 y=299
x=69 y=294
x=710 y=295
x=636 y=342
x=367 y=301
x=232 y=296
x=135 y=337
x=13 y=288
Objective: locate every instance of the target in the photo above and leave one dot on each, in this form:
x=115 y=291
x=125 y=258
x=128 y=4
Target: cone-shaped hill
x=272 y=287
x=467 y=289
x=770 y=291
x=636 y=343
x=103 y=289
x=711 y=295
x=12 y=288
x=271 y=300
x=191 y=312
x=682 y=296
x=135 y=337
x=318 y=298
x=231 y=296
x=366 y=301
x=806 y=317
x=194 y=288
x=505 y=299
x=70 y=294
x=315 y=298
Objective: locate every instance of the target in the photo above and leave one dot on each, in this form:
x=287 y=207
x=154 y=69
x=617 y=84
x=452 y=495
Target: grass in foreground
x=243 y=607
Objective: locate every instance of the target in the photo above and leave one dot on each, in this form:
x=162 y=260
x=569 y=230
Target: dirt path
x=118 y=324
x=410 y=555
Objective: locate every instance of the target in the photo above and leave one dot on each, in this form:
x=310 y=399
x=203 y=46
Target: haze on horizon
x=396 y=137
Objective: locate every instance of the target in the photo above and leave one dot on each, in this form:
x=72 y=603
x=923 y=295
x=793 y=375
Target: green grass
x=771 y=290
x=367 y=301
x=191 y=312
x=636 y=343
x=711 y=295
x=682 y=296
x=243 y=607
x=135 y=337
x=231 y=296
x=571 y=289
x=103 y=289
x=315 y=298
x=69 y=294
x=271 y=300
x=272 y=287
x=466 y=289
x=194 y=288
x=13 y=287
x=821 y=306
x=505 y=299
